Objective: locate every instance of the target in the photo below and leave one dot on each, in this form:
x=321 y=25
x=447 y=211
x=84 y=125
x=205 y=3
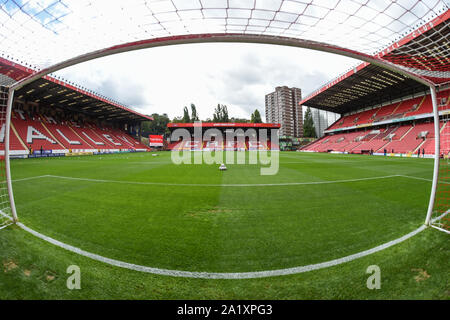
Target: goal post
x=408 y=38
x=7 y=208
x=438 y=211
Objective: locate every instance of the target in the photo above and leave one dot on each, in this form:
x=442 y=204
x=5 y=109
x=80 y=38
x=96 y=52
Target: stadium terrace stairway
x=411 y=140
x=67 y=137
x=444 y=146
x=373 y=141
x=36 y=136
x=15 y=144
x=124 y=138
x=385 y=112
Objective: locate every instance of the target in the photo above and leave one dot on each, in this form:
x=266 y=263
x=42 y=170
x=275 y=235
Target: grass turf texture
x=224 y=229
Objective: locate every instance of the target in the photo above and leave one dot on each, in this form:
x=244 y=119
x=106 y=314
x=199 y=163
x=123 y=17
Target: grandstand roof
x=367 y=84
x=56 y=92
x=224 y=125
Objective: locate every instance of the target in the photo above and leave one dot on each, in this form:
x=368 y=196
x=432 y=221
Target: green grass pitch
x=148 y=211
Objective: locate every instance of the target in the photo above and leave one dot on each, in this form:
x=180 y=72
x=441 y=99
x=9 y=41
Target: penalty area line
x=225 y=185
x=220 y=185
x=219 y=275
x=423 y=179
x=30 y=178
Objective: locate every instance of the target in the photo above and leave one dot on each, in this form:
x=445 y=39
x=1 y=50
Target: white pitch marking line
x=151 y=162
x=30 y=178
x=412 y=177
x=223 y=185
x=424 y=179
x=220 y=185
x=218 y=275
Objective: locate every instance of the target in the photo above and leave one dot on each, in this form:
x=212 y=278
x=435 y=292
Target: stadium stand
x=68 y=137
x=411 y=140
x=16 y=145
x=61 y=118
x=225 y=145
x=236 y=144
x=402 y=128
x=32 y=131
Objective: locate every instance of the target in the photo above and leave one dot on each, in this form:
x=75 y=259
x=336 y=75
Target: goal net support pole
x=436 y=155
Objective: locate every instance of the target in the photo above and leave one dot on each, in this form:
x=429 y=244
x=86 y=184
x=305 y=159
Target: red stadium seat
x=44 y=132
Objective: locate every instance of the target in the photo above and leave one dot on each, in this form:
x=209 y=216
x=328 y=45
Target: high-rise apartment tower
x=282 y=107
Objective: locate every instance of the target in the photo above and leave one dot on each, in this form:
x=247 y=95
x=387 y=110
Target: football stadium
x=82 y=193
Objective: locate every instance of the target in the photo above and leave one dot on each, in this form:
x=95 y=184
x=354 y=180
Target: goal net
x=440 y=217
x=407 y=36
x=5 y=209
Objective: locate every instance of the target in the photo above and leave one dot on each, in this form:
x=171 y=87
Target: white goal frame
x=230 y=38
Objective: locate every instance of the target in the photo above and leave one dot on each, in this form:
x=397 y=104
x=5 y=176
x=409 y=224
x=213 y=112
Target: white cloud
x=165 y=79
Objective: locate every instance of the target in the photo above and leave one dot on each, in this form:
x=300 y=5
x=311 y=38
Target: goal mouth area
x=199 y=228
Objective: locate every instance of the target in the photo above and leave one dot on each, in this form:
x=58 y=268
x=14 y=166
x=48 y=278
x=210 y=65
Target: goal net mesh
x=5 y=209
x=41 y=33
x=441 y=217
x=408 y=34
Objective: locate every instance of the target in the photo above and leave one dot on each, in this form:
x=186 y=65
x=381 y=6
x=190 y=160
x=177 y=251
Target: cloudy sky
x=165 y=79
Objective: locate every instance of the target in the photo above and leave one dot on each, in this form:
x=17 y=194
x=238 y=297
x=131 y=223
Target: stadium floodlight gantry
x=409 y=37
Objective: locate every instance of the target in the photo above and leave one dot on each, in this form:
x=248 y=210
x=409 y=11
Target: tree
x=221 y=113
x=225 y=114
x=186 y=118
x=239 y=120
x=256 y=117
x=194 y=115
x=157 y=126
x=217 y=113
x=309 y=131
x=177 y=120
